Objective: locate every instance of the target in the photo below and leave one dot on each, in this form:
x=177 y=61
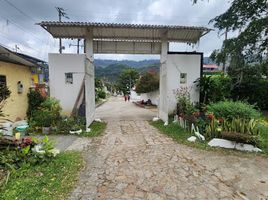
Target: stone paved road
x=134 y=161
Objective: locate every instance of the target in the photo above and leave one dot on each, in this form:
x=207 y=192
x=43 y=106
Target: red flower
x=196 y=114
x=221 y=120
x=210 y=116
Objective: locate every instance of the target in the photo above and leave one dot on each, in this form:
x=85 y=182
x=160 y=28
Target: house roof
x=210 y=66
x=124 y=32
x=18 y=58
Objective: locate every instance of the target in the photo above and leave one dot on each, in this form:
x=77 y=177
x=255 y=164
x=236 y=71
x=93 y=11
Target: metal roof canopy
x=124 y=32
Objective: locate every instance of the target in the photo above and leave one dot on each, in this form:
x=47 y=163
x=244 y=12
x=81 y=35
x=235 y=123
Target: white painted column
x=89 y=79
x=163 y=101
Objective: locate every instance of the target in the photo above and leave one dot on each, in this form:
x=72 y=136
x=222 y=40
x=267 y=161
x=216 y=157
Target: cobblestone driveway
x=134 y=161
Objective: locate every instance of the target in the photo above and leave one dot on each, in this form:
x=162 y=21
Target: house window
x=183 y=78
x=3 y=80
x=69 y=78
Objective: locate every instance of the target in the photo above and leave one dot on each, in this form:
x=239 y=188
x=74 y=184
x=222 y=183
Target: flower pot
x=46 y=130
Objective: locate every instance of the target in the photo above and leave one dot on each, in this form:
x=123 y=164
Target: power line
x=19 y=10
x=23 y=29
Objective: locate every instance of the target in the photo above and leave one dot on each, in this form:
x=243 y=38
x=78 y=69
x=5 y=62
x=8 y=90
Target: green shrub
x=28 y=151
x=47 y=114
x=101 y=94
x=214 y=88
x=67 y=124
x=233 y=109
x=148 y=83
x=35 y=99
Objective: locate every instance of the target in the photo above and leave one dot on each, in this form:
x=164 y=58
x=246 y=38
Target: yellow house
x=16 y=73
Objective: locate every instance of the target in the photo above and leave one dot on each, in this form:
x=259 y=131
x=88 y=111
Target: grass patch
x=264 y=138
x=174 y=131
x=53 y=180
x=97 y=129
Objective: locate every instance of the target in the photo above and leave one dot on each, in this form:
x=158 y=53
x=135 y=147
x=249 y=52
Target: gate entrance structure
x=110 y=38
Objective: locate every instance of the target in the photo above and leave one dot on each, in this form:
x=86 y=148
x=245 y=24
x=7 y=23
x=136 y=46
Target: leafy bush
x=101 y=94
x=233 y=109
x=184 y=105
x=28 y=151
x=148 y=83
x=35 y=99
x=70 y=123
x=214 y=88
x=47 y=114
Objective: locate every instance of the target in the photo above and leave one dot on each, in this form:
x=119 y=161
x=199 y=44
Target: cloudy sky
x=18 y=18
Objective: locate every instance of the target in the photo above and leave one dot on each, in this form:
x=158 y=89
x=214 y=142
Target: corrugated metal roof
x=124 y=32
x=13 y=57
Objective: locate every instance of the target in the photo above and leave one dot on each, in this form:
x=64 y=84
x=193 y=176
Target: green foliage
x=4 y=92
x=67 y=124
x=250 y=18
x=47 y=181
x=101 y=94
x=250 y=84
x=214 y=88
x=149 y=82
x=127 y=79
x=28 y=151
x=47 y=114
x=233 y=109
x=185 y=107
x=35 y=99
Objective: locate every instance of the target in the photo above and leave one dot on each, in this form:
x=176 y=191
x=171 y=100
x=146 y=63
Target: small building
x=210 y=67
x=17 y=72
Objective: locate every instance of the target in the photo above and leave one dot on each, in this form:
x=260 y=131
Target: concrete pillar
x=89 y=79
x=163 y=100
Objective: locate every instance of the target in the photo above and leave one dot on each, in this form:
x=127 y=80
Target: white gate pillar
x=163 y=103
x=89 y=79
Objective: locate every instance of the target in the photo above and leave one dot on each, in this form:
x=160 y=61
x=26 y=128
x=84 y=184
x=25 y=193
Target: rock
x=216 y=142
x=192 y=139
x=155 y=119
x=88 y=130
x=98 y=120
x=166 y=123
x=246 y=147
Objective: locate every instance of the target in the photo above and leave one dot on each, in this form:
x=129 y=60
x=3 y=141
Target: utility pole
x=61 y=13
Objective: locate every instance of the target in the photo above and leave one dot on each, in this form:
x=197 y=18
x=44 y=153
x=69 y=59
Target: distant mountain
x=111 y=69
x=131 y=63
x=111 y=72
x=207 y=60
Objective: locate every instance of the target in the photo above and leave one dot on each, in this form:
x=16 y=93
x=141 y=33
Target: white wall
x=153 y=96
x=59 y=64
x=182 y=63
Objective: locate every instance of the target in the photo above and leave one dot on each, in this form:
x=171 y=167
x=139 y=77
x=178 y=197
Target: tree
x=148 y=83
x=250 y=19
x=127 y=80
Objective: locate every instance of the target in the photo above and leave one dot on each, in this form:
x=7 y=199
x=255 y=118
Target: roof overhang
x=124 y=32
x=9 y=56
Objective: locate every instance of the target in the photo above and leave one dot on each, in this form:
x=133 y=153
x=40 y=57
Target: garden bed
x=180 y=135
